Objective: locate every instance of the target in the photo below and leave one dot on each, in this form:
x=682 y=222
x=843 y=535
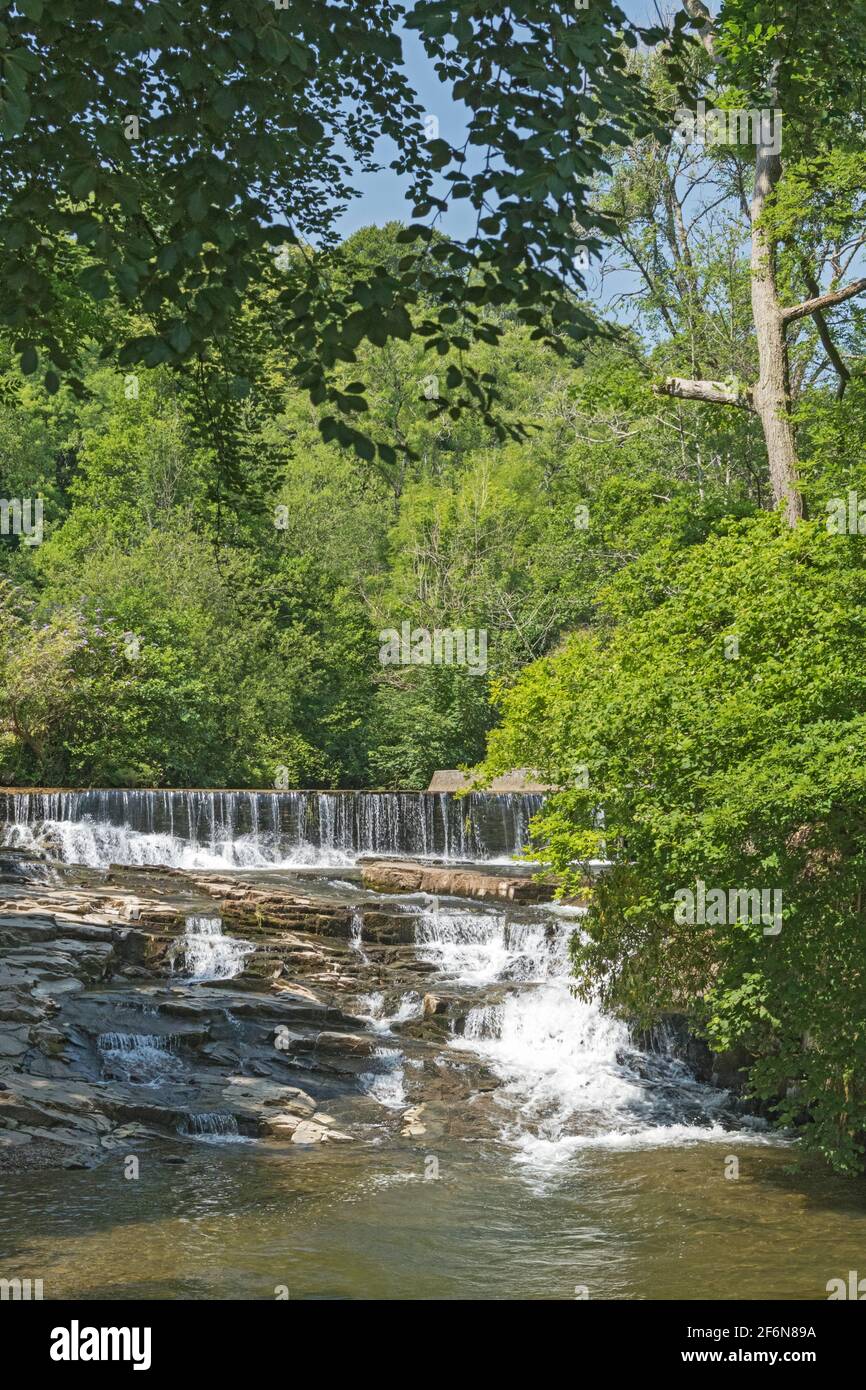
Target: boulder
x=306 y=1132
x=433 y=1004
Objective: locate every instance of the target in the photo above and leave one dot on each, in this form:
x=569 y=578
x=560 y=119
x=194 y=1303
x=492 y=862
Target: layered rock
x=104 y=1045
x=408 y=876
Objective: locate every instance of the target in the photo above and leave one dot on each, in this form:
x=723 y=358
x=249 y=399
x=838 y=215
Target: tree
x=808 y=62
x=166 y=150
x=720 y=730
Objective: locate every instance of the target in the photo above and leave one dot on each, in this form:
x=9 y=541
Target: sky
x=382 y=197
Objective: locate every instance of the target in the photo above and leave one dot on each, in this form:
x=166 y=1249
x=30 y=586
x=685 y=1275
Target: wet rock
x=388 y=928
x=359 y=1044
x=411 y=1126
x=274 y=1049
x=14 y=1042
x=306 y=1132
x=49 y=1040
x=433 y=1004
x=399 y=876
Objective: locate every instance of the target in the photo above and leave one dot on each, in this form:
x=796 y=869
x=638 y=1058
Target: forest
x=258 y=444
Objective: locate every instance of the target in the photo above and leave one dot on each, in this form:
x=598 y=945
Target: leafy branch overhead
x=169 y=148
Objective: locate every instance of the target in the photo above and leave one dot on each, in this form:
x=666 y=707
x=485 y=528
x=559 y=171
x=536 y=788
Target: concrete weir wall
x=252 y=828
x=450 y=779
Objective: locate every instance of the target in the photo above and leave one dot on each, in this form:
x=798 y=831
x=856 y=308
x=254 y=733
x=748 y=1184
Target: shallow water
x=242 y=1221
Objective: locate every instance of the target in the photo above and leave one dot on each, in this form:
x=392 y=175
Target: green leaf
x=310 y=130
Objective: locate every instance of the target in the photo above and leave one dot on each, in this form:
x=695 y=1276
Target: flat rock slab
x=405 y=876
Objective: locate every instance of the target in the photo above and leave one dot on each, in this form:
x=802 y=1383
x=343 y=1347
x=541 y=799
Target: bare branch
x=712 y=392
x=824 y=334
x=823 y=301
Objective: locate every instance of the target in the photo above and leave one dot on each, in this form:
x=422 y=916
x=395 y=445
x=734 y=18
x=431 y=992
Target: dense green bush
x=721 y=731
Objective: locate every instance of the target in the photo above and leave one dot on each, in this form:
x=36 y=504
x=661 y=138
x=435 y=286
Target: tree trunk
x=771 y=396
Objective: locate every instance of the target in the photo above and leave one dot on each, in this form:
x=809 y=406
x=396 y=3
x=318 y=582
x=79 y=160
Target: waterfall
x=135 y=1042
x=386 y=1083
x=212 y=1125
x=571 y=1075
x=254 y=829
x=356 y=931
x=206 y=954
x=372 y=1007
x=145 y=1058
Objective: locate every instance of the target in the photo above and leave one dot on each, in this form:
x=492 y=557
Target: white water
x=386 y=1083
x=572 y=1078
x=146 y=1058
x=101 y=843
x=213 y=1127
x=262 y=830
x=356 y=929
x=206 y=954
x=372 y=1007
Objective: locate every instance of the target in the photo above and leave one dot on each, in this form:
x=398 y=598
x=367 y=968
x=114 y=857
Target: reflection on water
x=658 y=1224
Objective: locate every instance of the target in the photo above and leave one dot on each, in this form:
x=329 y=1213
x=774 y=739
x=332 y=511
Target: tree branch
x=824 y=334
x=712 y=392
x=707 y=32
x=823 y=301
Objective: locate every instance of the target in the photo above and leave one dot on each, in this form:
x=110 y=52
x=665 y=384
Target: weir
x=492 y=982
x=249 y=829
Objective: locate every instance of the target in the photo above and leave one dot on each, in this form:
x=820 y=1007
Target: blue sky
x=382 y=197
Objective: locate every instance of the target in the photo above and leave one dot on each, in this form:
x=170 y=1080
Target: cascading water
x=134 y=1042
x=204 y=953
x=572 y=1077
x=356 y=935
x=214 y=1126
x=386 y=1083
x=261 y=830
x=146 y=1058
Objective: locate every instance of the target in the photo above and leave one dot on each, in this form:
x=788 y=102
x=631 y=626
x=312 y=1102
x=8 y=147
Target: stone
x=305 y=1132
x=405 y=876
x=356 y=1043
x=284 y=1123
x=451 y=779
x=308 y=1133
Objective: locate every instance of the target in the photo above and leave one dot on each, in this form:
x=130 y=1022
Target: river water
x=603 y=1170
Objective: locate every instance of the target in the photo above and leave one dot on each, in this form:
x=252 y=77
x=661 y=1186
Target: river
x=554 y=1157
